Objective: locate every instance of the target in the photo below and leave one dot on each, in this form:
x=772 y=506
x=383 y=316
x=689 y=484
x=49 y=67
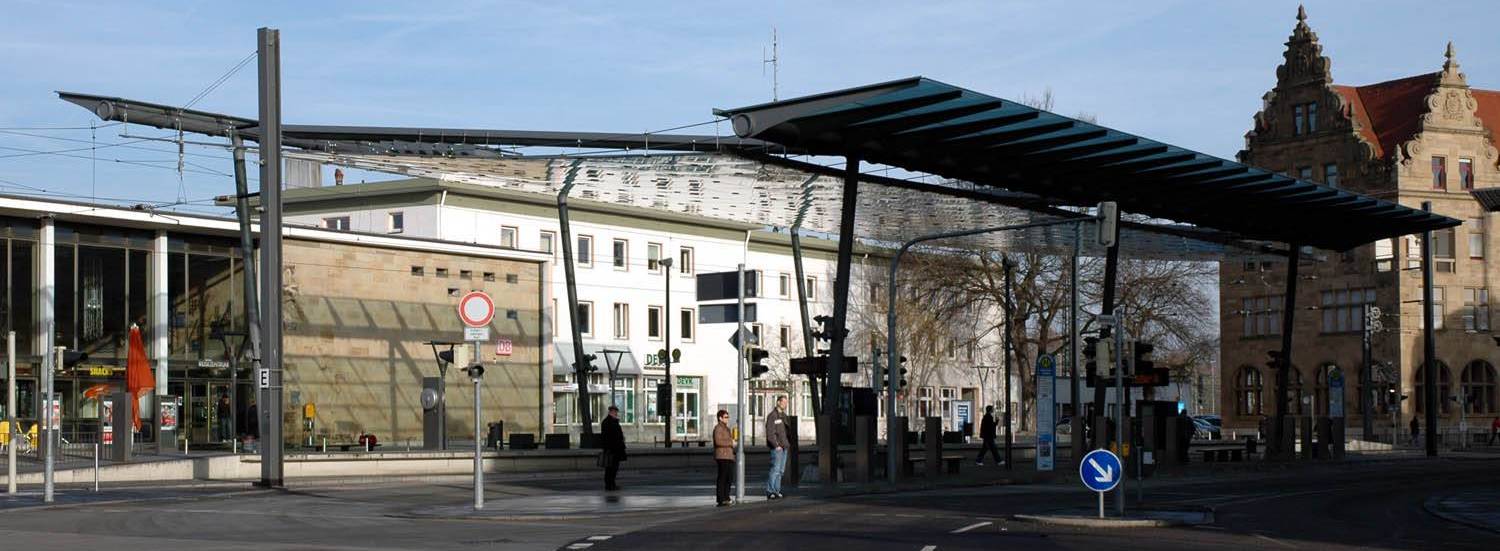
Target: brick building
x=1428 y=137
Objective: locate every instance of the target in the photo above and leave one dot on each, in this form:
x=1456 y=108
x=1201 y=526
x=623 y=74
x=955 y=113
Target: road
x=1356 y=506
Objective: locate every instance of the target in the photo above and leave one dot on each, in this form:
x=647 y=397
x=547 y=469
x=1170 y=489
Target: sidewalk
x=1479 y=508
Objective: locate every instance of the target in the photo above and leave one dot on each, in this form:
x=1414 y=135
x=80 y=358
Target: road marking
x=599 y=538
x=580 y=546
x=971 y=527
x=1275 y=541
x=929 y=548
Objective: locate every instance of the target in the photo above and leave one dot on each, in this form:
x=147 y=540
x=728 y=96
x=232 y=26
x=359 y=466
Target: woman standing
x=724 y=456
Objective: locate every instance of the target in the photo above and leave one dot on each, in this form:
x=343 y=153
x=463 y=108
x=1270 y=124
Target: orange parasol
x=138 y=376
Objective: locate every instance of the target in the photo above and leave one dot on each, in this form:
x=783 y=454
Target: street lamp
x=666 y=388
x=444 y=359
x=612 y=361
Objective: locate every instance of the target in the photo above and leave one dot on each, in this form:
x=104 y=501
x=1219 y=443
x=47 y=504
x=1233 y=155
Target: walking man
x=223 y=419
x=614 y=448
x=987 y=433
x=1494 y=430
x=724 y=456
x=1416 y=429
x=777 y=441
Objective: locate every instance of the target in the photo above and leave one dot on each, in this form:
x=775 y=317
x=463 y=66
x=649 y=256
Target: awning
x=925 y=126
x=629 y=367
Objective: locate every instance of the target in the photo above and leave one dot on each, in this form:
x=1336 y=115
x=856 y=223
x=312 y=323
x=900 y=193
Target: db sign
x=503 y=347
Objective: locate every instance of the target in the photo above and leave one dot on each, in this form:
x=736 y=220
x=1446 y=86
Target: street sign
x=1100 y=471
x=264 y=377
x=1336 y=393
x=720 y=285
x=476 y=309
x=734 y=338
x=725 y=313
x=504 y=347
x=818 y=365
x=479 y=334
x=1046 y=406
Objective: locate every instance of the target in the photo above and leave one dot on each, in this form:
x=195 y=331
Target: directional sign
x=476 y=309
x=1100 y=471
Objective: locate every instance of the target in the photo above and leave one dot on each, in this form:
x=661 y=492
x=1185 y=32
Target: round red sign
x=476 y=309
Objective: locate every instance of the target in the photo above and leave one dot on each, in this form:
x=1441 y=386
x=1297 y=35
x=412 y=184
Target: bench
x=950 y=463
x=684 y=442
x=1223 y=455
x=346 y=446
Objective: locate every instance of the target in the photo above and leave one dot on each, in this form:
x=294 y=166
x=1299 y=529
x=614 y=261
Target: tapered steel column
x=1429 y=345
x=581 y=365
x=828 y=451
x=807 y=338
x=1283 y=370
x=269 y=51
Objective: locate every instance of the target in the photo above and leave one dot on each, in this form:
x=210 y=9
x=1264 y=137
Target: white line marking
x=971 y=527
x=929 y=548
x=1275 y=541
x=599 y=538
x=580 y=546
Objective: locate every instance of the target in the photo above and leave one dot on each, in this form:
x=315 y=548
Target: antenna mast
x=775 y=62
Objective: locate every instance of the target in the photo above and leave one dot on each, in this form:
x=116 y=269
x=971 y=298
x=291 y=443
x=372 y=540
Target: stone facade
x=1386 y=140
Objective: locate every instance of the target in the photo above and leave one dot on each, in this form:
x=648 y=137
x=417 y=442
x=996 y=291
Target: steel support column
x=807 y=338
x=828 y=450
x=269 y=53
x=581 y=365
x=247 y=246
x=1429 y=343
x=1366 y=377
x=1111 y=271
x=1284 y=365
x=1009 y=350
x=1075 y=439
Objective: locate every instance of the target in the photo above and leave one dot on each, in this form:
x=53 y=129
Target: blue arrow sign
x=1100 y=471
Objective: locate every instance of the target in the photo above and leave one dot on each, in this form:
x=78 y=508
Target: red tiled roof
x=1390 y=112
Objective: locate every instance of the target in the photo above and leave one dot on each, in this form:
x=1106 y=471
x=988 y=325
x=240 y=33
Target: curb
x=1429 y=506
x=1081 y=521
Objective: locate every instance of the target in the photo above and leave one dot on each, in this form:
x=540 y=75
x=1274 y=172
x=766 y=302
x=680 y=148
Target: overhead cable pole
x=269 y=50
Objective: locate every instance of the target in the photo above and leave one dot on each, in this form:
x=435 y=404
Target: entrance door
x=686 y=407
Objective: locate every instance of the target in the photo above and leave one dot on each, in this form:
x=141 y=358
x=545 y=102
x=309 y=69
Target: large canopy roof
x=923 y=125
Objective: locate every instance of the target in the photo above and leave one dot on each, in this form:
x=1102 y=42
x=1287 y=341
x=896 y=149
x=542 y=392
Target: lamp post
x=612 y=361
x=666 y=356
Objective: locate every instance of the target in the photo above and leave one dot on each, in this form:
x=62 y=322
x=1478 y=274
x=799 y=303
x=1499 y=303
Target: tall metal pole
x=478 y=444
x=269 y=53
x=1283 y=371
x=50 y=417
x=10 y=413
x=744 y=340
x=1120 y=406
x=581 y=364
x=247 y=248
x=807 y=337
x=666 y=359
x=1075 y=439
x=1010 y=311
x=1366 y=382
x=1111 y=271
x=1429 y=342
x=47 y=281
x=828 y=451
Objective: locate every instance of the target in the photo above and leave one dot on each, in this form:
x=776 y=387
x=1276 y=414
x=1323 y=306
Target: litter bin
x=493 y=440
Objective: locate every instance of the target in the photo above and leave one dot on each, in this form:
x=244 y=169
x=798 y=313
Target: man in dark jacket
x=777 y=441
x=614 y=448
x=724 y=456
x=987 y=433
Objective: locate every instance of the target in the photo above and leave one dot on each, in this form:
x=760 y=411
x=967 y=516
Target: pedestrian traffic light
x=1141 y=357
x=72 y=358
x=1090 y=355
x=446 y=356
x=901 y=375
x=757 y=358
x=587 y=364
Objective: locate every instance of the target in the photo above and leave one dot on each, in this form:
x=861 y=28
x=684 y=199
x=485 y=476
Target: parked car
x=1205 y=429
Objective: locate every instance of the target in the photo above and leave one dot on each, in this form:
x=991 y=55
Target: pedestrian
x=1416 y=429
x=776 y=440
x=1494 y=430
x=724 y=456
x=224 y=425
x=614 y=448
x=252 y=421
x=987 y=434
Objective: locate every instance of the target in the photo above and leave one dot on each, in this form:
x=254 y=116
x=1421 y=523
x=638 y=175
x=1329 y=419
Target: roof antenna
x=775 y=62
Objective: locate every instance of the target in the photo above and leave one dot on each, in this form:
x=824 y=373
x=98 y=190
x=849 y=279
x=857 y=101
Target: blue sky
x=1190 y=73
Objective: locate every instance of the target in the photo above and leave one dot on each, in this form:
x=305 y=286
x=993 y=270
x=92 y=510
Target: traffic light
x=587 y=364
x=476 y=371
x=1090 y=355
x=446 y=356
x=1275 y=360
x=1141 y=358
x=757 y=358
x=71 y=358
x=901 y=375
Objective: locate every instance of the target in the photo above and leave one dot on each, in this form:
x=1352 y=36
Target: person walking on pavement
x=1416 y=429
x=724 y=456
x=776 y=440
x=222 y=417
x=614 y=448
x=1494 y=430
x=987 y=433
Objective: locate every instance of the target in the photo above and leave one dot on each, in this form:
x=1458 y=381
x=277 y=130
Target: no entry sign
x=476 y=309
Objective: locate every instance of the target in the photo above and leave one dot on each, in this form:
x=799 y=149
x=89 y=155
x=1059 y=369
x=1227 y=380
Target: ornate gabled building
x=1424 y=138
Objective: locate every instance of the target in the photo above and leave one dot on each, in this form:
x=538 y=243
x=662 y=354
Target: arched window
x=1295 y=393
x=1478 y=382
x=1380 y=388
x=1320 y=389
x=1248 y=388
x=1444 y=388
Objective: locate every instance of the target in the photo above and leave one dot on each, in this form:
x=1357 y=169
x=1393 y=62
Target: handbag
x=603 y=460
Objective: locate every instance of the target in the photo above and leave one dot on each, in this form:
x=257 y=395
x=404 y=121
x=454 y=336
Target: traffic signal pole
x=1429 y=346
x=739 y=447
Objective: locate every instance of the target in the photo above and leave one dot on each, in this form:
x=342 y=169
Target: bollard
x=1305 y=427
x=96 y=467
x=934 y=440
x=864 y=443
x=184 y=446
x=325 y=444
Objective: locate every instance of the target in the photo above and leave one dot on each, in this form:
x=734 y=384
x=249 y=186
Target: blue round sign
x=1100 y=471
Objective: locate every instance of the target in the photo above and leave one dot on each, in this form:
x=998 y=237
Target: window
x=1466 y=173
x=755 y=330
x=1344 y=309
x=1248 y=388
x=652 y=416
x=1299 y=119
x=1419 y=383
x=1439 y=172
x=1476 y=237
x=1476 y=309
x=622 y=254
x=340 y=223
x=1294 y=391
x=508 y=237
x=689 y=319
x=585 y=252
x=783 y=336
x=1312 y=117
x=924 y=402
x=685 y=261
x=1262 y=316
x=416 y=271
x=1442 y=250
x=441 y=272
x=1252 y=266
x=952 y=348
x=1478 y=382
x=1304 y=173
x=653 y=257
x=1320 y=389
x=783 y=285
x=624 y=398
x=622 y=320
x=586 y=318
x=1413 y=252
x=653 y=322
x=547 y=240
x=1331 y=175
x=395 y=222
x=1385 y=255
x=1437 y=309
x=466 y=274
x=812 y=288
